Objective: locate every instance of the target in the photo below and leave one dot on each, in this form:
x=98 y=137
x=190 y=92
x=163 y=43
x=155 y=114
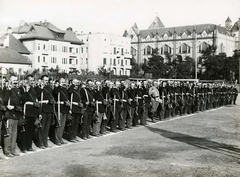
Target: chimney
x=69 y=29
x=22 y=23
x=9 y=30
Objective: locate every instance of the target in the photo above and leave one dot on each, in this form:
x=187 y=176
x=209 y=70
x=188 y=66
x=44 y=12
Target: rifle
x=5 y=129
x=136 y=110
x=57 y=115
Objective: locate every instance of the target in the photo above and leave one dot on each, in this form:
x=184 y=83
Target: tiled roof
x=157 y=23
x=15 y=44
x=21 y=29
x=236 y=26
x=47 y=31
x=181 y=29
x=11 y=56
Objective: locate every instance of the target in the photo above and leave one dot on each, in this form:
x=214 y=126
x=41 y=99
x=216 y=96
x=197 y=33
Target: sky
x=114 y=16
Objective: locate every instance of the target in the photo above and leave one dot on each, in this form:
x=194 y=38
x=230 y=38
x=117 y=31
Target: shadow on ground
x=203 y=143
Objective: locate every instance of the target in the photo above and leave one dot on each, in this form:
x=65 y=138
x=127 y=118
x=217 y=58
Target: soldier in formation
x=35 y=111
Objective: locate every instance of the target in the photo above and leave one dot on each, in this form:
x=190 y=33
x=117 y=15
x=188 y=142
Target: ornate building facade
x=183 y=40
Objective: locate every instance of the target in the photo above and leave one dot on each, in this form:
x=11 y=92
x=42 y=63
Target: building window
x=114 y=62
x=64 y=49
x=44 y=47
x=104 y=61
x=125 y=62
x=121 y=62
x=118 y=61
x=76 y=61
x=165 y=49
x=86 y=49
x=203 y=47
x=76 y=50
x=64 y=60
x=81 y=60
x=70 y=61
x=114 y=50
x=86 y=60
x=184 y=48
x=82 y=49
x=147 y=51
x=133 y=51
x=38 y=59
x=110 y=61
x=53 y=48
x=39 y=47
x=53 y=59
x=44 y=59
x=122 y=51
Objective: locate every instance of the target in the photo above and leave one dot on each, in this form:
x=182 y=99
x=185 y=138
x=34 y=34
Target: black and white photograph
x=119 y=88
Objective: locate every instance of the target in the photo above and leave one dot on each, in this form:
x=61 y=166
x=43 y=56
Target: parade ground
x=203 y=144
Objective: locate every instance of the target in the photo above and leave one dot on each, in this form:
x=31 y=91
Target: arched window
x=165 y=49
x=184 y=48
x=147 y=51
x=203 y=47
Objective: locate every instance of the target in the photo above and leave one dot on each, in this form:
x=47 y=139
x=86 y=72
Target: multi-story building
x=110 y=51
x=49 y=46
x=182 y=40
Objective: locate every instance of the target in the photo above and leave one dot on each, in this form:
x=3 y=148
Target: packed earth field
x=201 y=144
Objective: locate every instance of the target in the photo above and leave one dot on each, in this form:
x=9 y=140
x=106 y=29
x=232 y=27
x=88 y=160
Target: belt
x=29 y=103
x=61 y=102
x=75 y=103
x=44 y=101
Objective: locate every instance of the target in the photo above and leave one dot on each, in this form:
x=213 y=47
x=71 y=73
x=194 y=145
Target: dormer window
x=165 y=37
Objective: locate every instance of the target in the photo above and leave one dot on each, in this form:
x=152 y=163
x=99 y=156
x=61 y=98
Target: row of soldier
x=36 y=111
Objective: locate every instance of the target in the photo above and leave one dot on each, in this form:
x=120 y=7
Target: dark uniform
x=77 y=111
x=47 y=103
x=31 y=112
x=87 y=95
x=63 y=101
x=13 y=98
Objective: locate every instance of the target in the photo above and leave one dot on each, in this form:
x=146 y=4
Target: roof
x=11 y=56
x=236 y=26
x=47 y=31
x=21 y=29
x=157 y=23
x=15 y=44
x=181 y=29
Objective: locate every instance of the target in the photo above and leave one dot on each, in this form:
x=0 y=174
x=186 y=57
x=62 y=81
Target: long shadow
x=202 y=143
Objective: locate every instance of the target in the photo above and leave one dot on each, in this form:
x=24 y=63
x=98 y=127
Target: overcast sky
x=114 y=16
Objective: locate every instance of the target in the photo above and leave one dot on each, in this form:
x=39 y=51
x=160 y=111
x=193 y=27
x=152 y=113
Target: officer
x=154 y=94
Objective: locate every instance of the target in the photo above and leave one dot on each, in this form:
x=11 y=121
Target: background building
x=110 y=51
x=182 y=40
x=14 y=56
x=49 y=46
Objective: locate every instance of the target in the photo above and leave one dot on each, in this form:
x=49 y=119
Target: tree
x=136 y=69
x=156 y=65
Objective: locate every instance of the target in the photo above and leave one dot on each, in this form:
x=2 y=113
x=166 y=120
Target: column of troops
x=35 y=111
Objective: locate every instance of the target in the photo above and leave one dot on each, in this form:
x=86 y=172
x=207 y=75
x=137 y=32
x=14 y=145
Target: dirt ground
x=203 y=144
